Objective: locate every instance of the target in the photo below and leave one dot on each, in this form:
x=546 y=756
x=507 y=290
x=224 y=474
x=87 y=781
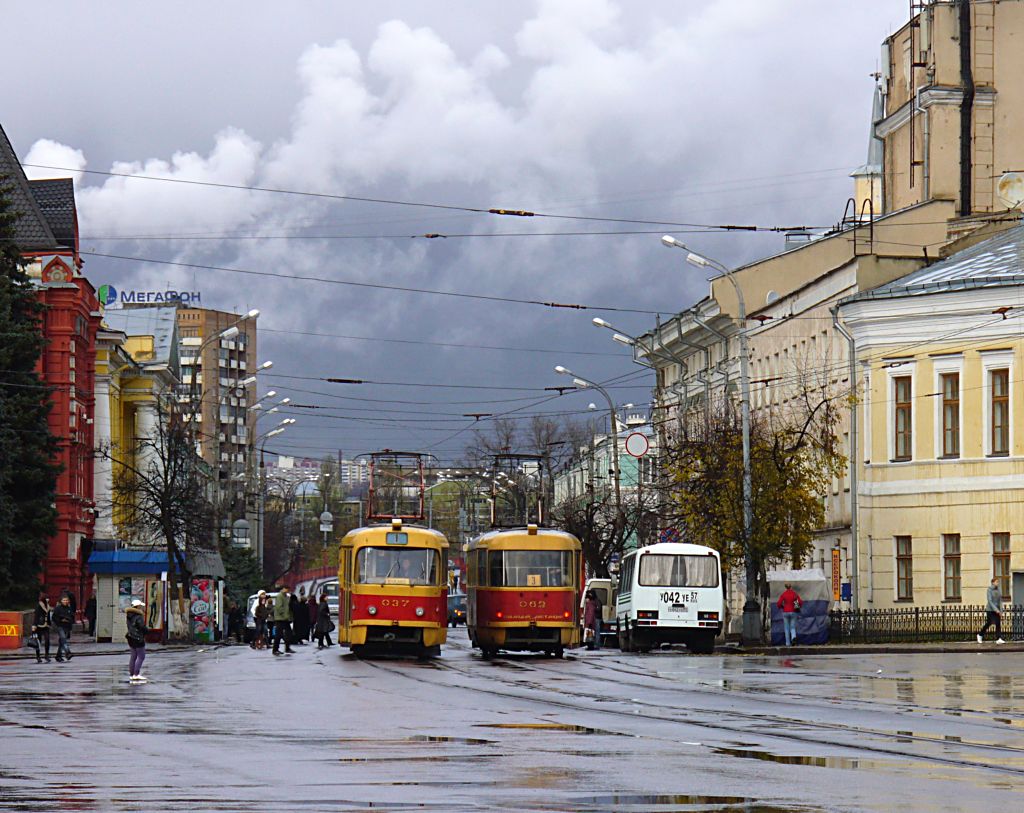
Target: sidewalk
x=83 y=646
x=958 y=647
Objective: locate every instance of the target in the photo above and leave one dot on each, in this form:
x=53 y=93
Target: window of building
x=902 y=441
x=950 y=414
x=951 y=566
x=1001 y=562
x=904 y=568
x=1000 y=411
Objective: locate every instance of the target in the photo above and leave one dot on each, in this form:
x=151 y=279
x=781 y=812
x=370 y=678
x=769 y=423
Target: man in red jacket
x=789 y=602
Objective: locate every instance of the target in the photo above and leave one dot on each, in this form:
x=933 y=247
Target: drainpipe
x=926 y=134
x=966 y=107
x=854 y=557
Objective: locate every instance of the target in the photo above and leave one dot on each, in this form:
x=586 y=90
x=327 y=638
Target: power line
x=373 y=285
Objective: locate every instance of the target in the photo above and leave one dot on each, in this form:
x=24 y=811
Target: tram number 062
x=394 y=602
x=533 y=604
x=678 y=598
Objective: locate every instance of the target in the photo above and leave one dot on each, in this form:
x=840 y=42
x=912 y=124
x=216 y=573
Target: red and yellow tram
x=522 y=591
x=393 y=589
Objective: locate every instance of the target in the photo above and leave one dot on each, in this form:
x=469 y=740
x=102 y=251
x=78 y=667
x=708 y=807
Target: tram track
x=593 y=703
x=975 y=716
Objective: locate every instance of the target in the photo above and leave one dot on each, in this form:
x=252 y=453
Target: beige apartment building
x=941 y=489
x=947 y=124
x=214 y=373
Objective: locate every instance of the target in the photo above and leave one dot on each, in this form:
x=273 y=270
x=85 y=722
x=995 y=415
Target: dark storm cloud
x=706 y=112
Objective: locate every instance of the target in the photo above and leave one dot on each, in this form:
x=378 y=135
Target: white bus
x=670 y=593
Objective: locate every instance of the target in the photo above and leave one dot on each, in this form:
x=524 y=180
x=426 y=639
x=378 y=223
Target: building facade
x=47 y=235
x=941 y=486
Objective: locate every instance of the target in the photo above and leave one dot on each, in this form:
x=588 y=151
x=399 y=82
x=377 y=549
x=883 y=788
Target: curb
x=877 y=649
x=31 y=655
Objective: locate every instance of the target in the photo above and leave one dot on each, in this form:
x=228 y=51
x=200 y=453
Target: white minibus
x=670 y=593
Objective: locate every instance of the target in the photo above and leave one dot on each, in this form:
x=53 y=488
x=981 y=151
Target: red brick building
x=47 y=234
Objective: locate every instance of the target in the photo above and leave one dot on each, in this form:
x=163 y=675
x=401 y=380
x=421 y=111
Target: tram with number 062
x=522 y=586
x=393 y=575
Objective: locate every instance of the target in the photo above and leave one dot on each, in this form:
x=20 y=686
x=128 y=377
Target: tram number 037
x=533 y=604
x=678 y=598
x=394 y=602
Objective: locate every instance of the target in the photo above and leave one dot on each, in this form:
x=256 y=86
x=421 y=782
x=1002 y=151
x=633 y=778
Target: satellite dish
x=771 y=297
x=1010 y=189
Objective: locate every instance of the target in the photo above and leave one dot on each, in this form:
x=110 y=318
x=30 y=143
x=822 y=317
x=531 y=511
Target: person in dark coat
x=63 y=619
x=135 y=616
x=324 y=625
x=314 y=613
x=41 y=626
x=90 y=615
x=300 y=619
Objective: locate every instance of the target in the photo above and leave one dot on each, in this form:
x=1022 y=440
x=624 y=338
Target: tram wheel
x=559 y=652
x=488 y=652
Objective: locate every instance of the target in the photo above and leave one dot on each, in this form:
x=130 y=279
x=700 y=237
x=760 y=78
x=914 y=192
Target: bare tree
x=160 y=495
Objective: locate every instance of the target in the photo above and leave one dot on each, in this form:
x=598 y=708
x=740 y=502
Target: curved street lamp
x=752 y=606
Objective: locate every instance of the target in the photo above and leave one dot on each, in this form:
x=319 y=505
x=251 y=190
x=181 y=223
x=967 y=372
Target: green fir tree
x=28 y=471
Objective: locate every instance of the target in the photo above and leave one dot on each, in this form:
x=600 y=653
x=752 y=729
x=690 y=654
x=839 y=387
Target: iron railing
x=946 y=622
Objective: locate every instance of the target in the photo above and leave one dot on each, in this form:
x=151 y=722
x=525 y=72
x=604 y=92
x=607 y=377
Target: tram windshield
x=530 y=568
x=678 y=570
x=396 y=566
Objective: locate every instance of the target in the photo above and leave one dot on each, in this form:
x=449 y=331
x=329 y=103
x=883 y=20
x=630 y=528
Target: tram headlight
x=371 y=610
x=419 y=612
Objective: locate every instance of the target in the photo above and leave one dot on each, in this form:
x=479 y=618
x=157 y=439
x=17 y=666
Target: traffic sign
x=669 y=535
x=637 y=444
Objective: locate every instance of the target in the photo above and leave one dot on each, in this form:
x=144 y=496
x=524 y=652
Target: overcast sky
x=702 y=112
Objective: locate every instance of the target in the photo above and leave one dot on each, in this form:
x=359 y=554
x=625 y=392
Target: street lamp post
x=752 y=606
x=585 y=383
x=263 y=483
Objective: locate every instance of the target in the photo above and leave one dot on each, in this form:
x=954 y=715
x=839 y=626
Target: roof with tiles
x=55 y=198
x=999 y=260
x=32 y=231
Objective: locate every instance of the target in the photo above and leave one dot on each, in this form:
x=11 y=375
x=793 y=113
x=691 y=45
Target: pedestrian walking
x=90 y=616
x=135 y=616
x=994 y=612
x=282 y=621
x=591 y=620
x=789 y=602
x=260 y=614
x=324 y=625
x=63 y=619
x=41 y=627
x=312 y=613
x=300 y=619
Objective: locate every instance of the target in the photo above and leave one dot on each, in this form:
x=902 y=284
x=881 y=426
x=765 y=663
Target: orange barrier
x=12 y=629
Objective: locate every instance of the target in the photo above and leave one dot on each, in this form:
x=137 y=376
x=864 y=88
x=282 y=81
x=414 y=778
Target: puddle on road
x=566 y=727
x=687 y=803
x=844 y=763
x=414 y=739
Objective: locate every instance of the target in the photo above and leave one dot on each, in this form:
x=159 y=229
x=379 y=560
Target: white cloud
x=47 y=153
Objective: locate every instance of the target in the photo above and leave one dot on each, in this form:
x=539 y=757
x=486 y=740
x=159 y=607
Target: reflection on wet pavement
x=232 y=730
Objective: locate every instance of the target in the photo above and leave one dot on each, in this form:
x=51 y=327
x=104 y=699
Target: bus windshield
x=396 y=566
x=678 y=570
x=530 y=568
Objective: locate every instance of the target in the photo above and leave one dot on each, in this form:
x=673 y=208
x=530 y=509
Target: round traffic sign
x=637 y=444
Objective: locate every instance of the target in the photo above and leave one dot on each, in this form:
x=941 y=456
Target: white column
x=146 y=436
x=103 y=470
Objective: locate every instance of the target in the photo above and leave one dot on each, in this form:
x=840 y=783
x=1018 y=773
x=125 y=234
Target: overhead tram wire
x=372 y=285
x=501 y=212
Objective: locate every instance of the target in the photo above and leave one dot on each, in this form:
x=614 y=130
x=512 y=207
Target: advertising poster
x=201 y=609
x=124 y=593
x=155 y=605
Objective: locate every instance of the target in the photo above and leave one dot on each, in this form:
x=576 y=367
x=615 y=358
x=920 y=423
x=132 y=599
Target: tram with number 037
x=393 y=574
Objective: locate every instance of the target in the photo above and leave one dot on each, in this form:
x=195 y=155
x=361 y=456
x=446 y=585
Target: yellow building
x=941 y=460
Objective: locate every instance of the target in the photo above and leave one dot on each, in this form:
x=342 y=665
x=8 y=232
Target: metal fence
x=947 y=622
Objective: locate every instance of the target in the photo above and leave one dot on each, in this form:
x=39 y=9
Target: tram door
x=345 y=597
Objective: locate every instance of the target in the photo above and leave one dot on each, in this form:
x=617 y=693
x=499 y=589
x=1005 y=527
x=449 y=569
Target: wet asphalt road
x=231 y=729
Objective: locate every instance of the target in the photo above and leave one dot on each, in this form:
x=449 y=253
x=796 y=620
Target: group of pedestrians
x=290 y=619
x=60 y=618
